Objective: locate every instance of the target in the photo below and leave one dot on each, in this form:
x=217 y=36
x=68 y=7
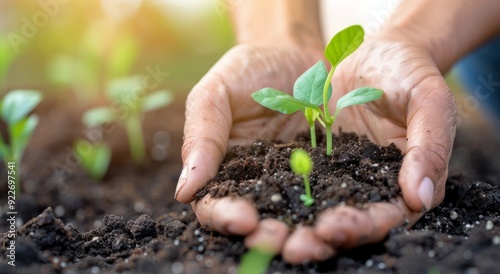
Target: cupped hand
x=220 y=112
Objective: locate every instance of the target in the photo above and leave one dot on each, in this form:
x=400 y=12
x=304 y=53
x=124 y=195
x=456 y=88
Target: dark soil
x=359 y=172
x=129 y=222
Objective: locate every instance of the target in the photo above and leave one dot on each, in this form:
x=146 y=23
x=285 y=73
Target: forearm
x=449 y=29
x=278 y=22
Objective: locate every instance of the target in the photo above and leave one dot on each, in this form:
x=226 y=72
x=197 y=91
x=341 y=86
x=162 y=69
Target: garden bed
x=130 y=221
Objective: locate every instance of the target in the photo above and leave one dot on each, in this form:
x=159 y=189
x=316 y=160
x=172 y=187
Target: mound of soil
x=358 y=172
x=129 y=222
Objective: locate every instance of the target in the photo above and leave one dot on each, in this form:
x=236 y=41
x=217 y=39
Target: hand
x=418 y=114
x=221 y=112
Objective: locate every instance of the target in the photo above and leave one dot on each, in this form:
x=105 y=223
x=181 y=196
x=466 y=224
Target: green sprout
x=301 y=164
x=255 y=261
x=307 y=97
x=313 y=89
x=14 y=110
x=130 y=104
x=93 y=158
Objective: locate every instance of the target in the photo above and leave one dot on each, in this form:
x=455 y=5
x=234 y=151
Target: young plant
x=93 y=158
x=14 y=110
x=130 y=103
x=309 y=99
x=301 y=164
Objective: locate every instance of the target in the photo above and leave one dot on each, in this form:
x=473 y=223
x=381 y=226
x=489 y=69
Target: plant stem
x=328 y=128
x=307 y=185
x=313 y=135
x=136 y=142
x=326 y=112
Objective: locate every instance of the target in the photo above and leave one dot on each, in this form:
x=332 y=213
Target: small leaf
x=98 y=116
x=343 y=44
x=309 y=86
x=17 y=104
x=279 y=101
x=125 y=90
x=359 y=96
x=255 y=261
x=311 y=115
x=308 y=201
x=300 y=162
x=156 y=100
x=93 y=158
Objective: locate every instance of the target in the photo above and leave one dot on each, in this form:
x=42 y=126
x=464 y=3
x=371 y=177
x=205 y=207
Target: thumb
x=431 y=121
x=206 y=133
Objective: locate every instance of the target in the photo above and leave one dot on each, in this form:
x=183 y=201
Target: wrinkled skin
x=417 y=113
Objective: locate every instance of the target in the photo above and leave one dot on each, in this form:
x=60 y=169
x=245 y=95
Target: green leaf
x=311 y=115
x=98 y=116
x=20 y=133
x=279 y=101
x=156 y=100
x=343 y=44
x=94 y=159
x=309 y=86
x=125 y=90
x=17 y=104
x=300 y=162
x=255 y=261
x=359 y=96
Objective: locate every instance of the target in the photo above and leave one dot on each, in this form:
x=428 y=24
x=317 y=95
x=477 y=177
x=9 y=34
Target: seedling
x=93 y=158
x=14 y=110
x=301 y=164
x=255 y=261
x=308 y=95
x=130 y=103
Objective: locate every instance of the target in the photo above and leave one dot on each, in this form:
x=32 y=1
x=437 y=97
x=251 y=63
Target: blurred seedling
x=94 y=159
x=302 y=164
x=130 y=102
x=14 y=111
x=313 y=89
x=255 y=261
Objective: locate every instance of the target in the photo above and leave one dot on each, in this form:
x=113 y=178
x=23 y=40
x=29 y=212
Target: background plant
x=313 y=89
x=93 y=158
x=130 y=102
x=14 y=111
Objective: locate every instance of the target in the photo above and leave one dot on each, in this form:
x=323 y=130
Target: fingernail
x=426 y=192
x=181 y=182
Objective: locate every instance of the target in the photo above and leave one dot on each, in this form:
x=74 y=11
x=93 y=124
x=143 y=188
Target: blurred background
x=66 y=47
